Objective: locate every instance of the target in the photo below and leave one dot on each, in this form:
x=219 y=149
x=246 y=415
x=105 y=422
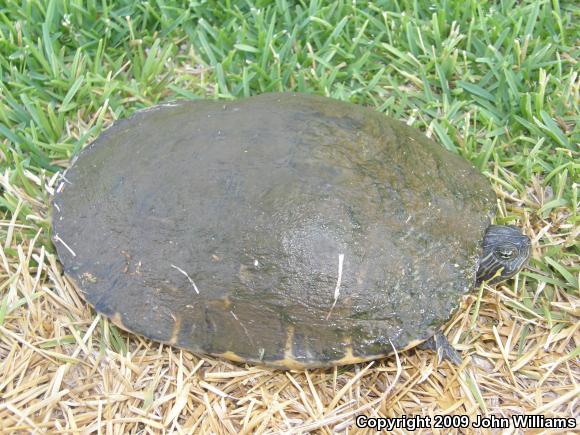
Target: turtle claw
x=445 y=351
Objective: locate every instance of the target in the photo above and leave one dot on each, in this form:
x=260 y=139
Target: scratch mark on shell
x=58 y=239
x=187 y=276
x=337 y=288
x=243 y=327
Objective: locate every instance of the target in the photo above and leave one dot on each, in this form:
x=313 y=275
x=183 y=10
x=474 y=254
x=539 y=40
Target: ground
x=496 y=82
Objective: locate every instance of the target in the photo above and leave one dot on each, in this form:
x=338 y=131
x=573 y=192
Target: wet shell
x=286 y=229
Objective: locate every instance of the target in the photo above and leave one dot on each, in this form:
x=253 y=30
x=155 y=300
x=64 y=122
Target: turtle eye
x=505 y=254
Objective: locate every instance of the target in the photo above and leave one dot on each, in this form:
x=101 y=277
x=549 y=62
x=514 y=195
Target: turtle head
x=505 y=252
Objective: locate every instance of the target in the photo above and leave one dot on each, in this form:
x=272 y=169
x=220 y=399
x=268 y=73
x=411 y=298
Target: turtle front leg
x=439 y=343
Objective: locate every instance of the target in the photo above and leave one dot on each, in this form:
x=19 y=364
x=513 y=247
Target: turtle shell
x=286 y=229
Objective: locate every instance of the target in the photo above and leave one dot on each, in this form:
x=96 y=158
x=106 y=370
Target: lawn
x=495 y=82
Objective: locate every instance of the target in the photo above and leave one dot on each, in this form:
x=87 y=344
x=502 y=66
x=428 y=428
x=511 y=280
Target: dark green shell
x=218 y=227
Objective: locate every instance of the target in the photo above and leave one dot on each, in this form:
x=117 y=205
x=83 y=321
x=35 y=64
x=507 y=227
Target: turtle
x=285 y=229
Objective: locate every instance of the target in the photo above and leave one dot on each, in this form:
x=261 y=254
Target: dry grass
x=64 y=369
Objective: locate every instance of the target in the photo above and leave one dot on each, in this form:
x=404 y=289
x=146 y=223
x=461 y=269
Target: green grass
x=496 y=82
